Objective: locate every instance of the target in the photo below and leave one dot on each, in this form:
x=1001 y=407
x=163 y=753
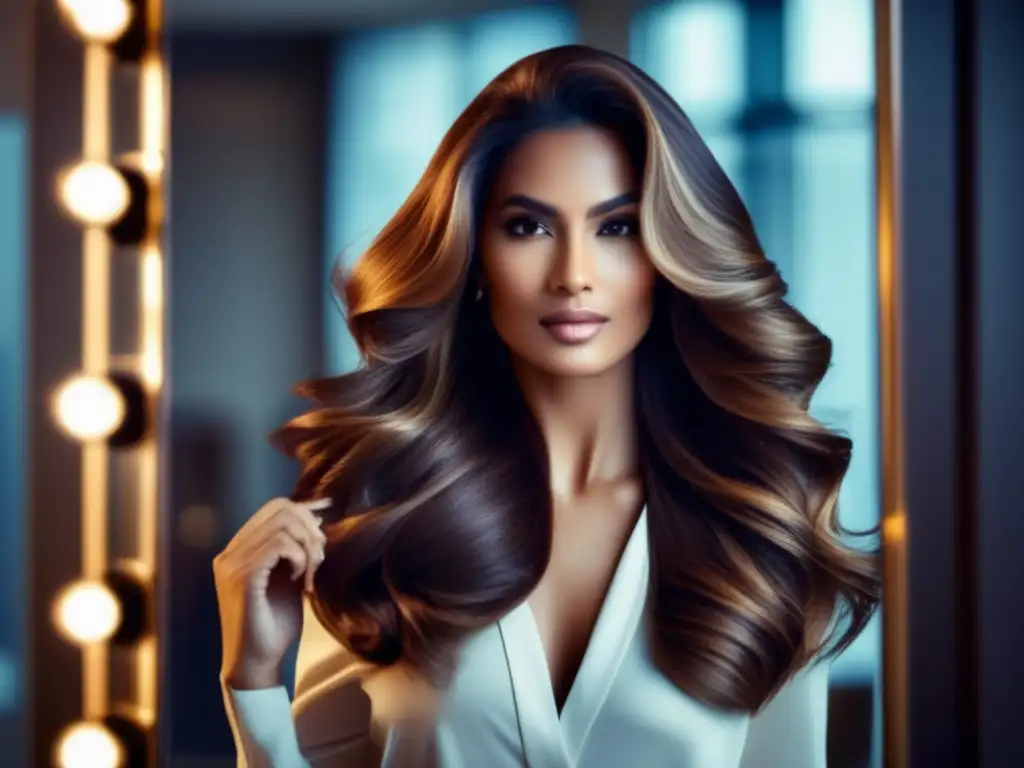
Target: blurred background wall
x=299 y=126
x=14 y=138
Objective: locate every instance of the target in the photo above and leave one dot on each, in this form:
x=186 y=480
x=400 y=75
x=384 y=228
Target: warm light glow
x=89 y=408
x=151 y=296
x=153 y=148
x=151 y=163
x=100 y=21
x=94 y=193
x=894 y=528
x=87 y=612
x=152 y=110
x=89 y=745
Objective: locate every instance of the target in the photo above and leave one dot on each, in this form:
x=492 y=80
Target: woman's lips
x=574 y=326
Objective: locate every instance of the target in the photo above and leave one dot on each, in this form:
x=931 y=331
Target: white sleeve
x=327 y=726
x=263 y=728
x=791 y=731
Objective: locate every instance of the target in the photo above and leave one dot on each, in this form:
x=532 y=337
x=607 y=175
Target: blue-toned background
x=298 y=127
x=13 y=184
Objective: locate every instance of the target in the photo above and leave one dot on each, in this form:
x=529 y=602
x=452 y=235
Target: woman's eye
x=524 y=226
x=628 y=227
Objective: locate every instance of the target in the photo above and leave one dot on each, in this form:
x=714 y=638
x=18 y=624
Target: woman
x=572 y=511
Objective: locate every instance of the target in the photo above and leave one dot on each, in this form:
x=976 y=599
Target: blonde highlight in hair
x=441 y=521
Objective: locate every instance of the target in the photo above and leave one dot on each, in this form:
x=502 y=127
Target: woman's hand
x=260 y=603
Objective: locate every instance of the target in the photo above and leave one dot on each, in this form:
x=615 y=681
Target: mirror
x=298 y=128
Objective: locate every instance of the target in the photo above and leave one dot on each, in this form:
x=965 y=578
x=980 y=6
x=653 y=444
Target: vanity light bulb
x=89 y=408
x=87 y=612
x=96 y=194
x=98 y=21
x=88 y=745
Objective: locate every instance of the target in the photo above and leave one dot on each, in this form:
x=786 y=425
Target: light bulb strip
x=95 y=302
x=96 y=103
x=153 y=137
x=96 y=252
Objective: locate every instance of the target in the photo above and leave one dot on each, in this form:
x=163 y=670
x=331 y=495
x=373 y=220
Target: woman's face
x=569 y=284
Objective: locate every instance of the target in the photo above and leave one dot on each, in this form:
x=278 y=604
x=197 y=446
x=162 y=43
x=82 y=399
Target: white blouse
x=500 y=712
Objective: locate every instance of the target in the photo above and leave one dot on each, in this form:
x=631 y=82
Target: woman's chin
x=576 y=363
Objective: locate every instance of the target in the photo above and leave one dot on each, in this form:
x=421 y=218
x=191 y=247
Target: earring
x=479 y=294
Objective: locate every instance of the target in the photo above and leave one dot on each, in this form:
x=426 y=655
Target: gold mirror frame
x=893 y=496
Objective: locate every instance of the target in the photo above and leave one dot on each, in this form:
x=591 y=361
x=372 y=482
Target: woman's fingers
x=249 y=549
x=316 y=506
x=307 y=511
x=280 y=547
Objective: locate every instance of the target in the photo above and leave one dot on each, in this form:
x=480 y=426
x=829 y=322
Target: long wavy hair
x=441 y=516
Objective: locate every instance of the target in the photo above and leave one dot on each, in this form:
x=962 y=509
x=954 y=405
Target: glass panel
x=766 y=191
x=497 y=40
x=696 y=47
x=830 y=52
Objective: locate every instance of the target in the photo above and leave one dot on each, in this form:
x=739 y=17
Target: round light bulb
x=88 y=745
x=89 y=408
x=100 y=21
x=94 y=193
x=87 y=612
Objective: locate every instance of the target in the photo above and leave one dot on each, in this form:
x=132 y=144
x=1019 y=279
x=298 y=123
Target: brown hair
x=442 y=521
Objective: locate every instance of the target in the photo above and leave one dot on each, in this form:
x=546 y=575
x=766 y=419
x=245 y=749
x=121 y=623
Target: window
x=387 y=119
x=830 y=53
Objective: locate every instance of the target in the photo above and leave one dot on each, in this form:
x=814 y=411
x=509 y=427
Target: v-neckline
x=545 y=731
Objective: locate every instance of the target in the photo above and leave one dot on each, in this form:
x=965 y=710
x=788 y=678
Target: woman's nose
x=573 y=270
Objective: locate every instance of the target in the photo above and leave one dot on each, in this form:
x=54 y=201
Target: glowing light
x=89 y=745
x=894 y=528
x=87 y=612
x=151 y=163
x=100 y=21
x=89 y=408
x=152 y=301
x=94 y=193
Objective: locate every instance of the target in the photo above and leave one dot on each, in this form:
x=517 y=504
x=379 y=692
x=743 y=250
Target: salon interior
x=179 y=177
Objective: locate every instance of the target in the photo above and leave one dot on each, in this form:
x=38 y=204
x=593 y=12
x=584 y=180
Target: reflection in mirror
x=298 y=132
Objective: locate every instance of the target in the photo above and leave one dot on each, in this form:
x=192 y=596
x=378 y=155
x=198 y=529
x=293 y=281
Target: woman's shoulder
x=330 y=679
x=328 y=695
x=321 y=658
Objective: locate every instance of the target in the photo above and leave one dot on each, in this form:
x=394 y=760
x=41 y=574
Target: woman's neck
x=588 y=424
